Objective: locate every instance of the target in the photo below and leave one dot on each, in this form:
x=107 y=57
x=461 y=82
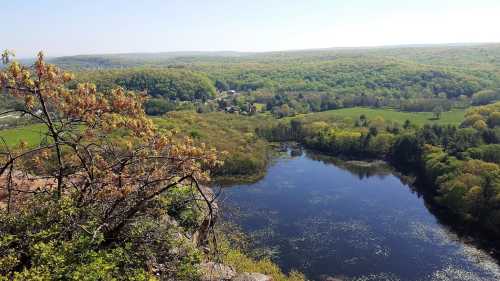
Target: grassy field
x=453 y=117
x=31 y=134
x=238 y=131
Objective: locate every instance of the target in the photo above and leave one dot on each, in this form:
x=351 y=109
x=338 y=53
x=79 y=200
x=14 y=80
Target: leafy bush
x=485 y=97
x=95 y=197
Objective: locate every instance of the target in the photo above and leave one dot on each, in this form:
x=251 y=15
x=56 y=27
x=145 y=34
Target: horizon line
x=388 y=46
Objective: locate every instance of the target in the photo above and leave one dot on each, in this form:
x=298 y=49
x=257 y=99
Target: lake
x=332 y=219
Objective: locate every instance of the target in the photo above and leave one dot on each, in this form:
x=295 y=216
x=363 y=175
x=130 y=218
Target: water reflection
x=351 y=221
x=361 y=169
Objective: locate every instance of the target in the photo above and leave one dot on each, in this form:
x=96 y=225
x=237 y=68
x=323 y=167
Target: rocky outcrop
x=211 y=271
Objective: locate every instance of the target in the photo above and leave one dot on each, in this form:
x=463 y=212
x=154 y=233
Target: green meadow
x=453 y=117
x=30 y=134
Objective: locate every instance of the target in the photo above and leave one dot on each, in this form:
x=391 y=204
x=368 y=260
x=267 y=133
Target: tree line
x=168 y=88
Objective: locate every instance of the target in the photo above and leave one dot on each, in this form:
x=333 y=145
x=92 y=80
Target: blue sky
x=112 y=26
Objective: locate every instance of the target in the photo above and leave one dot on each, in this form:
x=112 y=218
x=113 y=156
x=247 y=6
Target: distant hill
x=411 y=78
x=137 y=59
x=478 y=56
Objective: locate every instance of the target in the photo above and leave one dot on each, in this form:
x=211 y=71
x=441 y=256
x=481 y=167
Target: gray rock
x=252 y=277
x=211 y=271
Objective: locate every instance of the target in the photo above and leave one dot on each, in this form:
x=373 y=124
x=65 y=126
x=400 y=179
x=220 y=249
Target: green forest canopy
x=418 y=78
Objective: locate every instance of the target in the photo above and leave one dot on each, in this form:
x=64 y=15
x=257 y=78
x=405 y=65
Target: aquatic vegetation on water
x=459 y=274
x=334 y=223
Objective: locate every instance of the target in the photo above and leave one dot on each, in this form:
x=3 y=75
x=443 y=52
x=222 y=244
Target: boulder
x=252 y=277
x=211 y=271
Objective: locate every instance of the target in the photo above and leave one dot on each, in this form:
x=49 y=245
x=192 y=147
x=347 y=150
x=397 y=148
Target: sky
x=122 y=26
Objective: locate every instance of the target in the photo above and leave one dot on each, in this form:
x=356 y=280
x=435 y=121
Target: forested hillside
x=170 y=83
x=424 y=78
x=471 y=55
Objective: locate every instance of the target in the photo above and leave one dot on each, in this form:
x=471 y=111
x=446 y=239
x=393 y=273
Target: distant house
x=232 y=109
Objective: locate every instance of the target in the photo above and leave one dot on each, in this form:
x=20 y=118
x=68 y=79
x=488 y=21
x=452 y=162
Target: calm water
x=352 y=224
